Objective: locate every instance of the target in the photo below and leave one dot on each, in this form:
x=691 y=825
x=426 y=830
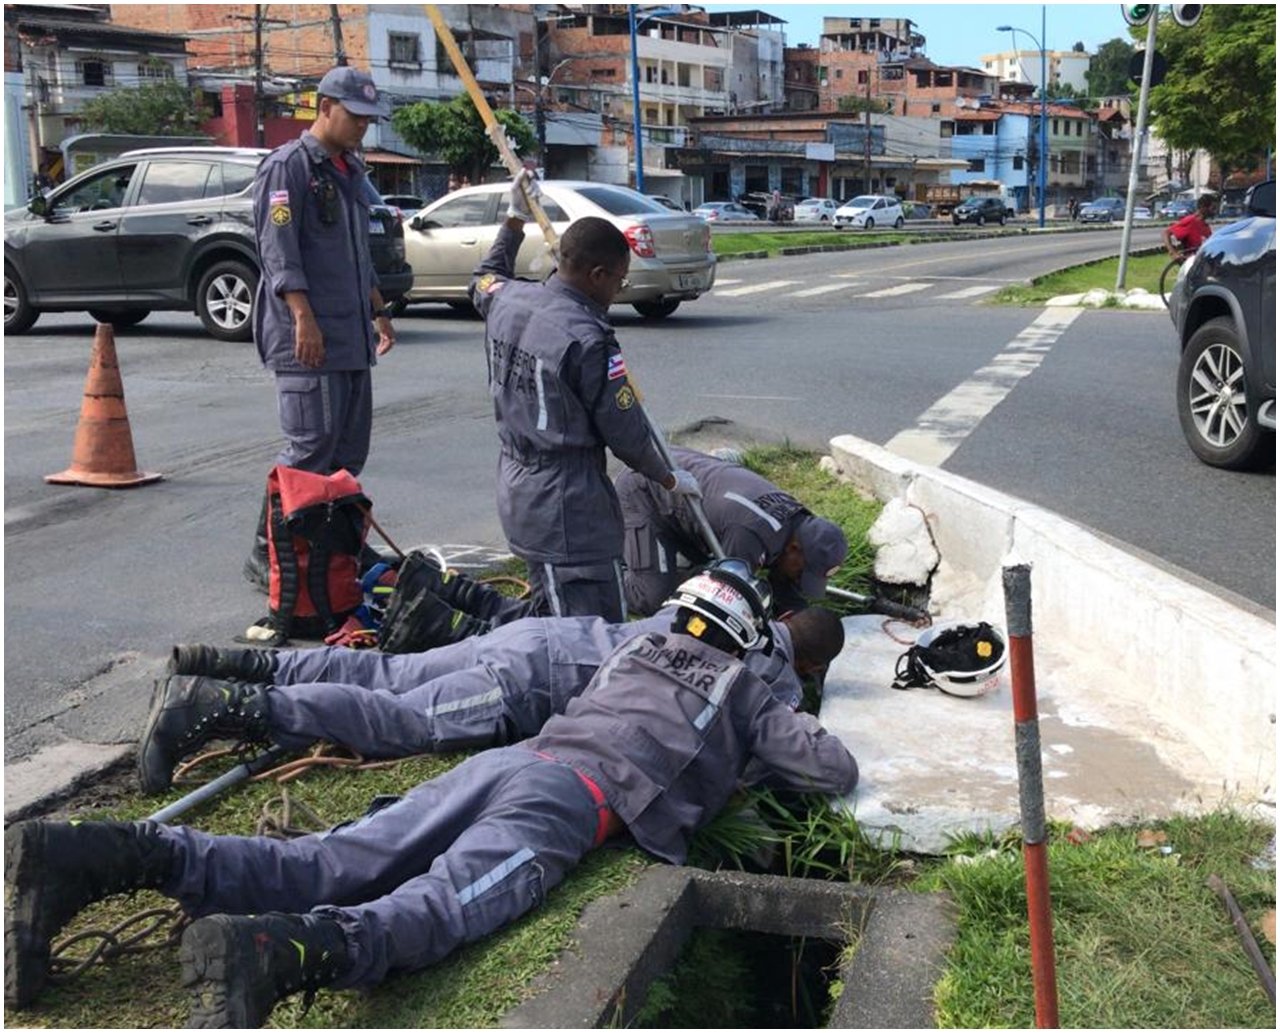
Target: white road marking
x=722 y=283
x=942 y=427
x=756 y=288
x=968 y=292
x=826 y=288
x=757 y=398
x=902 y=288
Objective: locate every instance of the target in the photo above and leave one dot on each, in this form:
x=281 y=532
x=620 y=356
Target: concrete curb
x=1202 y=667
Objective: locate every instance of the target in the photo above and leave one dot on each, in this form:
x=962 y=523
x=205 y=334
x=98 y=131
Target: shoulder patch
x=488 y=283
x=617 y=367
x=625 y=397
x=280 y=215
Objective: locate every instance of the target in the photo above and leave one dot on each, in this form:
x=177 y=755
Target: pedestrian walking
x=561 y=396
x=317 y=303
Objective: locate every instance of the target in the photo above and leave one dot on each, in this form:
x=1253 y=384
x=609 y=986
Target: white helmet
x=727 y=595
x=960 y=659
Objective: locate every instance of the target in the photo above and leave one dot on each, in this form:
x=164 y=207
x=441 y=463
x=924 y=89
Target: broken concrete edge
x=56 y=773
x=1200 y=663
x=626 y=941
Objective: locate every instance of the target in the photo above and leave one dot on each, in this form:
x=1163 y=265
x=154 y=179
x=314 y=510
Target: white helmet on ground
x=730 y=598
x=960 y=659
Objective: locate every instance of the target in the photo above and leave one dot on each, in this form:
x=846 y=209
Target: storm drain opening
x=737 y=978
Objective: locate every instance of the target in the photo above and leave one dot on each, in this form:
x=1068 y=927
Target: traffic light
x=1187 y=15
x=1137 y=14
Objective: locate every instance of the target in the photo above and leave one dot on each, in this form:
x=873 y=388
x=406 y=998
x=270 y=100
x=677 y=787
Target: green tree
x=455 y=133
x=1108 y=74
x=876 y=105
x=1219 y=92
x=165 y=108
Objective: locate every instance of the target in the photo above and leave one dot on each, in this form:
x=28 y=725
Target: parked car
x=761 y=202
x=671 y=256
x=665 y=201
x=408 y=204
x=1224 y=308
x=1141 y=211
x=1177 y=208
x=167 y=228
x=816 y=209
x=1102 y=209
x=869 y=211
x=917 y=210
x=979 y=211
x=725 y=211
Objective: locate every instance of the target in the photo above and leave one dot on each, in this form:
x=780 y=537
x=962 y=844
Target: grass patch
x=737 y=243
x=1142 y=271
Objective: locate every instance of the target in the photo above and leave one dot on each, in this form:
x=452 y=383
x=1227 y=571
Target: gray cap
x=354 y=89
x=824 y=549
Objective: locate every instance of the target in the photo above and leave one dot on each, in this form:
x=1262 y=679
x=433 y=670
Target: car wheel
x=398 y=307
x=870 y=224
x=1213 y=400
x=120 y=319
x=980 y=219
x=19 y=316
x=658 y=308
x=825 y=219
x=898 y=222
x=1001 y=220
x=224 y=300
x=463 y=308
x=955 y=221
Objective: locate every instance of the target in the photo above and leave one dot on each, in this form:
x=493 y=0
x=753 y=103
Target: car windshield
x=862 y=202
x=616 y=201
x=813 y=200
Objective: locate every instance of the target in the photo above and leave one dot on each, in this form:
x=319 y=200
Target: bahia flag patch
x=617 y=367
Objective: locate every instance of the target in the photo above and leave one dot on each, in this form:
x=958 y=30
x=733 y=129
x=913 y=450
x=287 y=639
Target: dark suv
x=979 y=210
x=166 y=228
x=1224 y=306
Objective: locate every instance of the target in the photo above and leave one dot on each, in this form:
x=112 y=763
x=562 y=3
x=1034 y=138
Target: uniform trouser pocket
x=578 y=590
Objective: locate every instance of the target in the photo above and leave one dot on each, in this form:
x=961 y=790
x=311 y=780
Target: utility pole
x=866 y=142
x=540 y=115
x=335 y=22
x=259 y=19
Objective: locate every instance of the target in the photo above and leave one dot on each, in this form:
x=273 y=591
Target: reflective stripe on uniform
x=542 y=398
x=622 y=592
x=493 y=695
x=491 y=878
x=662 y=558
x=714 y=700
x=733 y=496
x=553 y=593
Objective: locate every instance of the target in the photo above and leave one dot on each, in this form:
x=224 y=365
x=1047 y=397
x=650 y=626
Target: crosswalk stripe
x=902 y=288
x=755 y=288
x=826 y=288
x=968 y=292
x=725 y=283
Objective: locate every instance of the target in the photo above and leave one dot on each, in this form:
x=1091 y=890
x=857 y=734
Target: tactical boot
x=439 y=624
x=257 y=567
x=54 y=869
x=252 y=665
x=471 y=596
x=238 y=967
x=187 y=712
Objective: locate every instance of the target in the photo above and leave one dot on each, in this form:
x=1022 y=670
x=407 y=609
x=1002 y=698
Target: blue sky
x=958 y=34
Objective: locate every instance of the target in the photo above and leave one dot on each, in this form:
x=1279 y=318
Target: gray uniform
x=312 y=224
x=659 y=739
x=561 y=395
x=488 y=690
x=753 y=518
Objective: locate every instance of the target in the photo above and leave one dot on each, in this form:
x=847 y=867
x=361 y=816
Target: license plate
x=376 y=227
x=690 y=281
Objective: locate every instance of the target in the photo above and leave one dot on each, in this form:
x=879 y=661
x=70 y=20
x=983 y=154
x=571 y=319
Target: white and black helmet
x=730 y=598
x=961 y=659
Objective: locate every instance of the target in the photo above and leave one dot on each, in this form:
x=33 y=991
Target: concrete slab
x=53 y=772
x=1156 y=697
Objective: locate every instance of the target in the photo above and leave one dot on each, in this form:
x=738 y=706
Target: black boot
x=252 y=665
x=54 y=869
x=187 y=712
x=257 y=568
x=238 y=967
x=465 y=593
x=426 y=621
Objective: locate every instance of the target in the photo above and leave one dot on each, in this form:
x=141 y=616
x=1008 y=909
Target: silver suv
x=163 y=228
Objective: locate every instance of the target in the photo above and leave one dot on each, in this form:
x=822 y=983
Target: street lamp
x=635 y=23
x=1043 y=170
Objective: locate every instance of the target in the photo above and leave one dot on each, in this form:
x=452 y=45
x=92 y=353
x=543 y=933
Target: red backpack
x=316 y=527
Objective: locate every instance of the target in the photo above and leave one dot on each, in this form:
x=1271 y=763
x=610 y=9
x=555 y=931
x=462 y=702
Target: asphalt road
x=100 y=584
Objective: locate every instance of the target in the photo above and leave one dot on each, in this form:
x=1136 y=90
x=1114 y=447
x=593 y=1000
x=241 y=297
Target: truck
x=945 y=196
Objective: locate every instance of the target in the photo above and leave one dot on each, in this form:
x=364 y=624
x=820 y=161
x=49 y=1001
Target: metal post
x=1136 y=157
x=261 y=132
x=1017 y=602
x=1044 y=119
x=335 y=26
x=635 y=99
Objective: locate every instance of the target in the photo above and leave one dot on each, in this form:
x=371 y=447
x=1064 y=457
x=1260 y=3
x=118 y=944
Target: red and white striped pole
x=1035 y=856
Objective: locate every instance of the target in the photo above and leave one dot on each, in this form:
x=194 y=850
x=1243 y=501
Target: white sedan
x=816 y=209
x=870 y=211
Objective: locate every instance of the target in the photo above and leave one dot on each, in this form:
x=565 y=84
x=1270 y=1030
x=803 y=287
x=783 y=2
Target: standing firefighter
x=655 y=747
x=561 y=396
x=318 y=299
x=755 y=521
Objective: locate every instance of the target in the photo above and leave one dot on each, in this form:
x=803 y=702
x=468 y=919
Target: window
x=403 y=48
x=619 y=202
x=554 y=212
x=864 y=76
x=236 y=178
x=1079 y=129
x=166 y=182
x=472 y=210
x=152 y=71
x=839 y=73
x=1018 y=162
x=98 y=193
x=988 y=129
x=604 y=73
x=977 y=165
x=1055 y=127
x=935 y=108
x=94 y=71
x=946 y=129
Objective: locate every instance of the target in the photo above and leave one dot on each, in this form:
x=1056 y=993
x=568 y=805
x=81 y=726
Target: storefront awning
x=374 y=156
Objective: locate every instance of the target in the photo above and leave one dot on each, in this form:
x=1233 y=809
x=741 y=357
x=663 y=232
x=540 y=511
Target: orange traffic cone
x=102 y=456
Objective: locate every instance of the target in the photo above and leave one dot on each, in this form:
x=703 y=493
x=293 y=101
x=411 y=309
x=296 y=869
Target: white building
x=1065 y=67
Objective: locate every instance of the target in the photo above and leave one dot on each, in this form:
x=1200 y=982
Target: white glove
x=686 y=485
x=524 y=187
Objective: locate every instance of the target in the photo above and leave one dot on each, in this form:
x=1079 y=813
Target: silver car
x=671 y=256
